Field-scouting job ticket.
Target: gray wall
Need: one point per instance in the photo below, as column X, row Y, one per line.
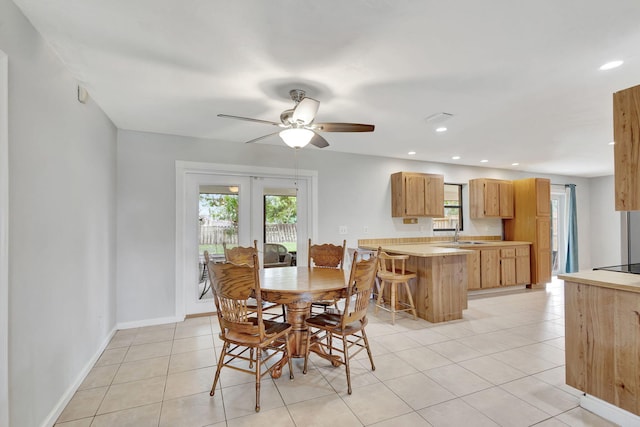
column 605, row 223
column 353, row 190
column 62, row 221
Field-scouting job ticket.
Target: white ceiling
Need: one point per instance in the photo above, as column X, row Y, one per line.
column 520, row 77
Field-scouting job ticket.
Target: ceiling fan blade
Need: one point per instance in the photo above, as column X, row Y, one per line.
column 262, row 137
column 318, row 141
column 248, row 119
column 305, row 111
column 343, row 127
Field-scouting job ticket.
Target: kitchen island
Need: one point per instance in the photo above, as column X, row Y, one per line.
column 440, row 291
column 602, row 338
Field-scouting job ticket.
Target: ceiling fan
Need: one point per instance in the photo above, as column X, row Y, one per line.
column 298, row 123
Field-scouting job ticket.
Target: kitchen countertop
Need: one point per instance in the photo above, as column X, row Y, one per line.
column 605, row 279
column 420, row 249
column 441, row 248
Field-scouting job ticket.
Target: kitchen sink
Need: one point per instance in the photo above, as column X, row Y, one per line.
column 469, row 242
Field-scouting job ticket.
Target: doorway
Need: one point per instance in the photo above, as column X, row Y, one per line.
column 236, row 195
column 558, row 231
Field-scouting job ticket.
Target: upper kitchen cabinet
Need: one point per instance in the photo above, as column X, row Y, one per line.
column 531, row 222
column 626, row 151
column 417, row 194
column 491, row 198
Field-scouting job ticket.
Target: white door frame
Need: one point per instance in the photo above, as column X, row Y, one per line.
column 4, row 240
column 561, row 195
column 186, row 222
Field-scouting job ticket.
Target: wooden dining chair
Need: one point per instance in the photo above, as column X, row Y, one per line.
column 245, row 255
column 347, row 327
column 392, row 271
column 247, row 336
column 326, row 255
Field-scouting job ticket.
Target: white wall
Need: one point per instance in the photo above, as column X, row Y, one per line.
column 605, row 223
column 62, row 221
column 353, row 190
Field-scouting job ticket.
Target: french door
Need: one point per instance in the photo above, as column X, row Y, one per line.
column 219, row 193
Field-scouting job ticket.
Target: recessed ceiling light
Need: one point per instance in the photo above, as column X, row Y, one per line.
column 456, row 157
column 515, row 164
column 611, row 65
column 612, row 143
column 441, row 129
column 484, row 161
column 411, row 153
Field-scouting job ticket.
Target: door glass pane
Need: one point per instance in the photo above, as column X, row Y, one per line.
column 218, row 226
column 280, row 227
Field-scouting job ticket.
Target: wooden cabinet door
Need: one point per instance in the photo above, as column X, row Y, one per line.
column 507, row 266
column 543, row 197
column 543, row 250
column 506, row 199
column 490, row 268
column 523, row 265
column 491, row 198
column 626, row 153
column 434, row 196
column 473, row 270
column 414, row 195
column 507, row 271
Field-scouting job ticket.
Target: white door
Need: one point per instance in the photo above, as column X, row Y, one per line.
column 196, row 297
column 250, row 186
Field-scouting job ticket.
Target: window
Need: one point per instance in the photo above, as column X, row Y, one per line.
column 452, row 209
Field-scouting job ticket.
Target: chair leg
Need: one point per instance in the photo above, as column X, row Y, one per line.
column 306, row 352
column 220, row 362
column 288, row 356
column 346, row 362
column 205, row 288
column 379, row 302
column 394, row 286
column 366, row 344
column 258, row 364
column 413, row 307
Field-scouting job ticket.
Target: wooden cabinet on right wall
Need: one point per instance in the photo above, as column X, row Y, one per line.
column 490, row 198
column 626, row 151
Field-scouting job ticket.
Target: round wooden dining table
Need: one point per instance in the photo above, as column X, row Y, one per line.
column 297, row 288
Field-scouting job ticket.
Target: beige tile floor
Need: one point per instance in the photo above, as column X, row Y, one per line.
column 502, row 365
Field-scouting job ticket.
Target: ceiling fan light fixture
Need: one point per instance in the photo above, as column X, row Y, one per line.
column 296, row 137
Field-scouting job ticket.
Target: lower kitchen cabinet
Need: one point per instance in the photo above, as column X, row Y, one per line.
column 523, row 265
column 505, row 266
column 490, row 268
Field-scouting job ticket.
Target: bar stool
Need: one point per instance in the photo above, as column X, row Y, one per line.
column 391, row 270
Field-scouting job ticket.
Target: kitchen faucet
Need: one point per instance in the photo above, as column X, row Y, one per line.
column 456, row 236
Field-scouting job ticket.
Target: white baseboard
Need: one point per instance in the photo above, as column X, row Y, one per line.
column 609, row 412
column 66, row 397
column 149, row 322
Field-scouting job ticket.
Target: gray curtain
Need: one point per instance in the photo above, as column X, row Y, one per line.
column 572, row 237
